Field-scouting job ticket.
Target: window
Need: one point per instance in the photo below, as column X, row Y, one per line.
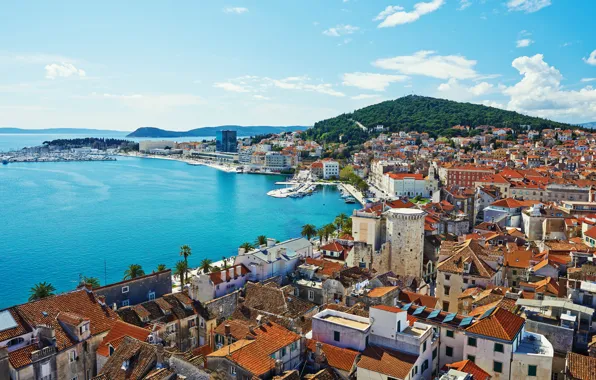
column 283, row 351
column 232, row 370
column 398, row 326
column 472, row 342
column 532, row 370
column 448, row 351
column 446, row 290
column 472, row 358
column 192, row 323
column 296, row 292
column 445, row 305
column 424, row 346
column 336, row 336
column 465, row 280
column 201, row 322
column 72, row 356
column 434, row 353
column 125, row 303
column 447, row 277
column 449, row 333
column 151, row 296
column 74, row 378
column 15, row 341
column 498, row 367
column 125, row 289
column 83, row 328
column 424, row 366
column 311, row 295
column 294, row 346
column 499, row 347
column 514, row 272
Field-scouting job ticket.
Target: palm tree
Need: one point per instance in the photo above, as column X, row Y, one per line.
column 225, row 263
column 321, row 234
column 133, row 271
column 90, row 281
column 205, row 266
column 308, row 231
column 261, row 239
column 181, row 270
column 329, row 230
column 161, row 267
column 247, row 246
column 347, row 227
column 41, row 290
column 185, row 252
column 340, row 220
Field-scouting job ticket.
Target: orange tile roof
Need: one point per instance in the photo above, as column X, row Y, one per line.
column 470, row 367
column 20, row 329
column 501, row 324
column 418, row 299
column 340, row 358
column 328, row 268
column 381, row 291
column 581, row 366
column 119, row 330
column 46, row 310
column 388, row 362
column 254, row 355
column 22, row 357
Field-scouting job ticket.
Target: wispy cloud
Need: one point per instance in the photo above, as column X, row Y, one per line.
column 365, row 96
column 463, row 4
column 227, row 86
column 430, row 64
column 235, row 10
column 591, row 60
column 584, row 80
column 528, row 6
column 524, row 42
column 371, row 81
column 396, row 15
column 340, row 30
column 260, row 85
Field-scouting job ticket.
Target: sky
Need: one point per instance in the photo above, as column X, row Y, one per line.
column 189, row 64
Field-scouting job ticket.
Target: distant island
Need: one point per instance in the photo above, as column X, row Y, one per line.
column 591, row 125
column 210, row 131
column 61, row 131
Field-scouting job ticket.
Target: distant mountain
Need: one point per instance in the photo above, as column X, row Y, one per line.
column 591, row 125
column 421, row 114
column 62, row 131
column 210, row 131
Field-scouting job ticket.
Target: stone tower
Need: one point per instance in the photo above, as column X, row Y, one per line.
column 405, row 233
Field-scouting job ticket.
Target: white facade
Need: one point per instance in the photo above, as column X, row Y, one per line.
column 404, row 185
column 276, row 160
column 330, row 169
column 341, row 329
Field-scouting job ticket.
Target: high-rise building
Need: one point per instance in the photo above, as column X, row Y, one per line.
column 225, row 141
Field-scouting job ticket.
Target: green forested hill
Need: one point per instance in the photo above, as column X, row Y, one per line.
column 422, row 114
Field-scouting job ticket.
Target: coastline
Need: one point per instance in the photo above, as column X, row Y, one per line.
column 224, row 168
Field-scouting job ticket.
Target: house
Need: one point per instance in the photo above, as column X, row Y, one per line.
column 341, row 329
column 341, row 361
column 580, row 367
column 267, row 351
column 137, row 290
column 208, row 286
column 468, row 367
column 56, row 336
column 112, row 341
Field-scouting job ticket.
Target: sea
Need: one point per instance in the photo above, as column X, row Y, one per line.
column 63, row 220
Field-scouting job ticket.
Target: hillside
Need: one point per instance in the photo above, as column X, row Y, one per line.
column 422, row 114
column 210, row 131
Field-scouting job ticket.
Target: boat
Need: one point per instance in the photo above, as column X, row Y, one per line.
column 350, row 200
column 5, row 162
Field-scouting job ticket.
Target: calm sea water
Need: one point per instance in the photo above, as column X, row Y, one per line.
column 59, row 220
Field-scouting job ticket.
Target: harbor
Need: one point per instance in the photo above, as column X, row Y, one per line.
column 19, row 156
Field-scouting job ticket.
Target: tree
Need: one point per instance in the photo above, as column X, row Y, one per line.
column 161, row 267
column 41, row 290
column 181, row 270
column 90, row 281
column 329, row 230
column 340, row 220
column 205, row 266
column 185, row 252
column 346, row 173
column 225, row 263
column 247, row 246
column 261, row 239
column 308, row 231
column 133, row 271
column 321, row 234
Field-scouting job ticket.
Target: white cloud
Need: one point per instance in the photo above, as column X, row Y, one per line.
column 492, row 103
column 429, row 64
column 371, row 81
column 340, row 30
column 395, row 15
column 365, row 96
column 591, row 60
column 63, row 69
column 463, row 4
column 453, row 89
column 540, row 92
column 236, row 10
column 588, row 80
column 227, row 86
column 391, row 9
column 524, row 42
column 527, row 6
column 261, row 97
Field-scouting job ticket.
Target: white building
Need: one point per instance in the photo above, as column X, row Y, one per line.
column 209, row 286
column 341, row 329
column 277, row 161
column 408, row 185
column 330, row 169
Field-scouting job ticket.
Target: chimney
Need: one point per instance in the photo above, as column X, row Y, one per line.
column 4, row 370
column 231, row 270
column 251, row 329
column 223, row 275
column 270, row 242
column 228, row 329
column 279, row 367
column 159, row 363
column 101, row 300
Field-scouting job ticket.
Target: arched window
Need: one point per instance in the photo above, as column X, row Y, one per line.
column 15, row 341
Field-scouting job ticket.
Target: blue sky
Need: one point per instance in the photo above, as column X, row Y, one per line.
column 182, row 65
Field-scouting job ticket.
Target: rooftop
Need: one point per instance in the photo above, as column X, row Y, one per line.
column 535, row 344
column 344, row 319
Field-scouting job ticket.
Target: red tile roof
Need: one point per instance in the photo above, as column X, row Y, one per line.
column 581, row 367
column 340, row 358
column 388, row 362
column 21, row 357
column 470, row 367
column 20, row 329
column 119, row 330
column 381, row 291
column 501, row 324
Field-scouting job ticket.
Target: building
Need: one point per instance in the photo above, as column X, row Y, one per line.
column 147, row 145
column 137, row 290
column 341, row 329
column 408, row 185
column 268, row 350
column 226, row 141
column 330, row 169
column 208, row 286
column 466, row 176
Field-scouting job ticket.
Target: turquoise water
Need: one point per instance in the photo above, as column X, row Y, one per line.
column 59, row 220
